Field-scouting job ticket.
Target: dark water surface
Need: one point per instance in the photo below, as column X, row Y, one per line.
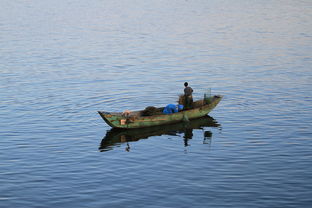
column 62, row 61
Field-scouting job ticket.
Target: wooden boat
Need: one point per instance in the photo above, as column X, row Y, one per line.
column 135, row 119
column 116, row 136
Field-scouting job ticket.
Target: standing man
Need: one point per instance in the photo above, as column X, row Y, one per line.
column 188, row 96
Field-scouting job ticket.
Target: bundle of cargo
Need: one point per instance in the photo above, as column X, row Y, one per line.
column 151, row 111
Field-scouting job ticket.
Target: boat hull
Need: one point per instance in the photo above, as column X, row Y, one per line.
column 133, row 122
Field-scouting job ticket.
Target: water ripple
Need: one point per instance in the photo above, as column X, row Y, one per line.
column 62, row 61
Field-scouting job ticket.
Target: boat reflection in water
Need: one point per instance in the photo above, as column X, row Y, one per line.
column 115, row 137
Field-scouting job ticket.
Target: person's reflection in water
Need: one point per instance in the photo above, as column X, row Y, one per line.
column 188, row 134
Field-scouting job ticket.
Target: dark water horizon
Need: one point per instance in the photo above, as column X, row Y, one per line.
column 62, row 61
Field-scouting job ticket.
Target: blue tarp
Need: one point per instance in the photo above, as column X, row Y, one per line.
column 172, row 108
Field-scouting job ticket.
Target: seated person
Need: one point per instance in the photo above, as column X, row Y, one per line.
column 172, row 108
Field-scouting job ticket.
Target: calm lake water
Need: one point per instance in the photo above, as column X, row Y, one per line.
column 62, row 61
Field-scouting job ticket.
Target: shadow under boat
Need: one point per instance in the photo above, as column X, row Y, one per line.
column 115, row 137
